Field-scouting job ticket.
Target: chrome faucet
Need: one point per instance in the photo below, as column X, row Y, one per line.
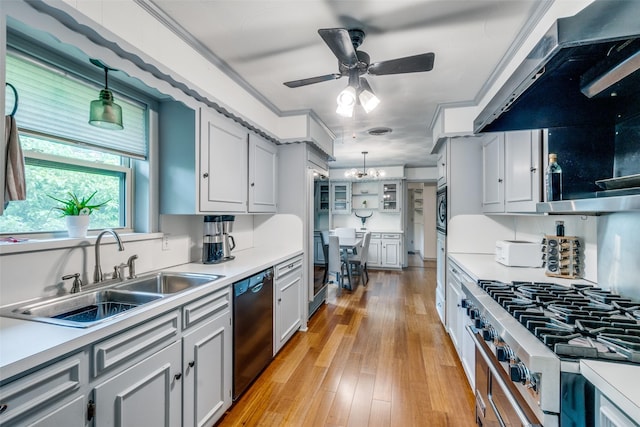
column 97, row 272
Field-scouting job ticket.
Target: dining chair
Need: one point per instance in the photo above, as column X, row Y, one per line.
column 359, row 260
column 349, row 232
column 335, row 264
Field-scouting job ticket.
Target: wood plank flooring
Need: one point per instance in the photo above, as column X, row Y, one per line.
column 377, row 356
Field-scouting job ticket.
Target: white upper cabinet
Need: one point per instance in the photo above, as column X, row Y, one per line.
column 493, row 173
column 523, row 174
column 390, row 196
column 223, row 164
column 340, row 197
column 263, row 185
column 511, row 172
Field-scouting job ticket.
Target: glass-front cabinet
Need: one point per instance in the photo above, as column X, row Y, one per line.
column 322, row 194
column 391, row 196
column 340, row 197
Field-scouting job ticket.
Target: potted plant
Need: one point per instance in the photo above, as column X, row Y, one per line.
column 76, row 212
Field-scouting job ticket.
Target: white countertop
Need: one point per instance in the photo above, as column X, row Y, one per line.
column 485, row 267
column 26, row 344
column 617, row 381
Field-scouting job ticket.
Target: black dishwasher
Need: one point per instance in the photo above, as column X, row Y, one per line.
column 252, row 328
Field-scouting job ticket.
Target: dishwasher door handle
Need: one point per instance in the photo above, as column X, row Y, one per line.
column 257, row 288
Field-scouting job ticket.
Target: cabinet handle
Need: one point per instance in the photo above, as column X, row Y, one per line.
column 253, row 184
column 3, row 407
column 499, row 179
column 533, row 169
column 177, row 376
column 279, row 300
column 91, row 410
column 192, row 363
column 205, row 175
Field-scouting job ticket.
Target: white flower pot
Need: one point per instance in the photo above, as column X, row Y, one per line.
column 77, row 225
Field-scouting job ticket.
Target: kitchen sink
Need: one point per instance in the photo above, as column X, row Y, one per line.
column 167, row 283
column 83, row 309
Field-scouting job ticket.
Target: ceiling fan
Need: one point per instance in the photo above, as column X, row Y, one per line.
column 353, row 62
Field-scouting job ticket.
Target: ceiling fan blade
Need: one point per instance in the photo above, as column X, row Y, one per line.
column 339, row 42
column 408, row 64
column 312, row 80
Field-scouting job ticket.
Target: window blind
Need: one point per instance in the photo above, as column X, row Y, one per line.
column 53, row 103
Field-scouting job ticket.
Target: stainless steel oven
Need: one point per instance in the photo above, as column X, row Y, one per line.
column 441, row 210
column 498, row 403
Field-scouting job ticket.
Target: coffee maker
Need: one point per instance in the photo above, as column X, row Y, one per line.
column 212, row 240
column 228, row 244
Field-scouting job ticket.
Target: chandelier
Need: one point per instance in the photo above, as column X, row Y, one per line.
column 364, row 173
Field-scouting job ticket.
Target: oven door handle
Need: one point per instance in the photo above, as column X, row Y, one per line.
column 495, row 376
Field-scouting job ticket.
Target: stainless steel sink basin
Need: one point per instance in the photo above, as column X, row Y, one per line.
column 82, row 310
column 167, row 283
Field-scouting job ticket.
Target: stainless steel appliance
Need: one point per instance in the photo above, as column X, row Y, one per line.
column 529, row 339
column 212, row 240
column 252, row 328
column 441, row 210
column 228, row 243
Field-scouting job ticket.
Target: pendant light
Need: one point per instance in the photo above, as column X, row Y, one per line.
column 357, row 92
column 104, row 112
column 364, row 173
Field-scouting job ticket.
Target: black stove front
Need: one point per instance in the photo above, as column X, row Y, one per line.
column 579, row 321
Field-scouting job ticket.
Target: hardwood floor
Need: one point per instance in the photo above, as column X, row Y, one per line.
column 377, row 356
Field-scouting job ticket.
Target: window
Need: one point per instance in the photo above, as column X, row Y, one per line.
column 64, row 154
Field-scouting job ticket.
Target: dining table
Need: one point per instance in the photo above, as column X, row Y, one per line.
column 349, row 244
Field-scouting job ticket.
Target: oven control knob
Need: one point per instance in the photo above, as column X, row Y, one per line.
column 479, row 323
column 473, row 313
column 518, row 373
column 502, row 354
column 464, row 303
column 488, row 333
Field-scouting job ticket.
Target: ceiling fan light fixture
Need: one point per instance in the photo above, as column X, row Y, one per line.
column 367, row 98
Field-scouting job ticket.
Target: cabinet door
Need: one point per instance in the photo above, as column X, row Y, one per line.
column 441, row 257
column 391, row 200
column 288, row 310
column 223, row 164
column 493, row 174
column 454, row 315
column 468, row 350
column 70, row 414
column 322, row 193
column 263, row 160
column 341, row 197
column 522, row 171
column 373, row 257
column 442, row 166
column 391, row 251
column 207, row 367
column 147, row 394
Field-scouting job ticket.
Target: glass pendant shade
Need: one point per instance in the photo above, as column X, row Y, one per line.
column 104, row 112
column 367, row 98
column 346, row 102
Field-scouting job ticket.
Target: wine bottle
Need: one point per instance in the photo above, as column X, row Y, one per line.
column 553, row 179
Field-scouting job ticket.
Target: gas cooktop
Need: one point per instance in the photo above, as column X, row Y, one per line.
column 580, row 321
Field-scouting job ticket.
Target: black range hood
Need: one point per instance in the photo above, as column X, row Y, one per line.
column 583, row 71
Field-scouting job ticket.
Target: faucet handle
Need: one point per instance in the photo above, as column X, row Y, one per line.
column 118, row 271
column 77, row 283
column 131, row 263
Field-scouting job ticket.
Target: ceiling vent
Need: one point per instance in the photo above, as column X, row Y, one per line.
column 379, row 131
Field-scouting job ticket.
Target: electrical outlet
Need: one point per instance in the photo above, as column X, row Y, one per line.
column 165, row 242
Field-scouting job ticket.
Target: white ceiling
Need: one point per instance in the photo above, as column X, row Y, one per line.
column 264, row 43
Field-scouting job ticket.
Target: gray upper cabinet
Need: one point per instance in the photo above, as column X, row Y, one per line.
column 210, row 164
column 263, row 185
column 512, row 173
column 223, row 164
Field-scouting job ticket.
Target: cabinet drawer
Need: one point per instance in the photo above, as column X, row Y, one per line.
column 288, row 267
column 391, row 236
column 204, row 308
column 136, row 342
column 43, row 388
column 376, row 235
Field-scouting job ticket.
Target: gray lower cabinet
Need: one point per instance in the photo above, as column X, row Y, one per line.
column 288, row 301
column 148, row 393
column 207, row 367
column 385, row 250
column 51, row 396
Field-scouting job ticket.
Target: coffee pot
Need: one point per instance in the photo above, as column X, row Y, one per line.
column 228, row 243
column 213, row 240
